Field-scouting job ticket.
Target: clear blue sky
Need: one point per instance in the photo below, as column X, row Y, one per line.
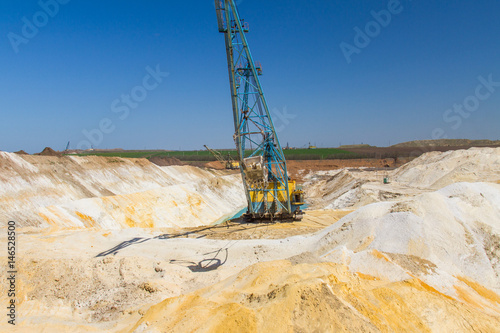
column 64, row 78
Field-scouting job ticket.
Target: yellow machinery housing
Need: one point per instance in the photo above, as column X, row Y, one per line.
column 296, row 196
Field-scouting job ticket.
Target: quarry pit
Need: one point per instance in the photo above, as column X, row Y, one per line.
column 124, row 245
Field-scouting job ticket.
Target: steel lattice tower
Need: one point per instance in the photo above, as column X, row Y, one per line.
column 262, row 162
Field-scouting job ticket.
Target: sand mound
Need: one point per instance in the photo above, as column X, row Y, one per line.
column 347, row 189
column 435, row 170
column 339, row 191
column 49, row 152
column 21, row 152
column 456, row 228
column 112, row 193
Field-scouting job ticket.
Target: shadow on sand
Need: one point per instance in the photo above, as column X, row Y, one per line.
column 210, row 262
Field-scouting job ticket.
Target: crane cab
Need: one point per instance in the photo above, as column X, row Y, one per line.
column 274, row 196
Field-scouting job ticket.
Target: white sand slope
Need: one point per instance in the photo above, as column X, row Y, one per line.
column 435, row 170
column 112, row 193
column 344, row 189
column 456, row 228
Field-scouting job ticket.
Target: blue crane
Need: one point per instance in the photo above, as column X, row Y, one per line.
column 270, row 192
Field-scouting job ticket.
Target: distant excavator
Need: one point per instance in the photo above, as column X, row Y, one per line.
column 228, row 162
column 271, row 194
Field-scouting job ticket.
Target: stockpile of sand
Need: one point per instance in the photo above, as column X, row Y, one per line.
column 47, row 151
column 435, row 170
column 340, row 190
column 347, row 189
column 112, row 193
column 456, row 228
